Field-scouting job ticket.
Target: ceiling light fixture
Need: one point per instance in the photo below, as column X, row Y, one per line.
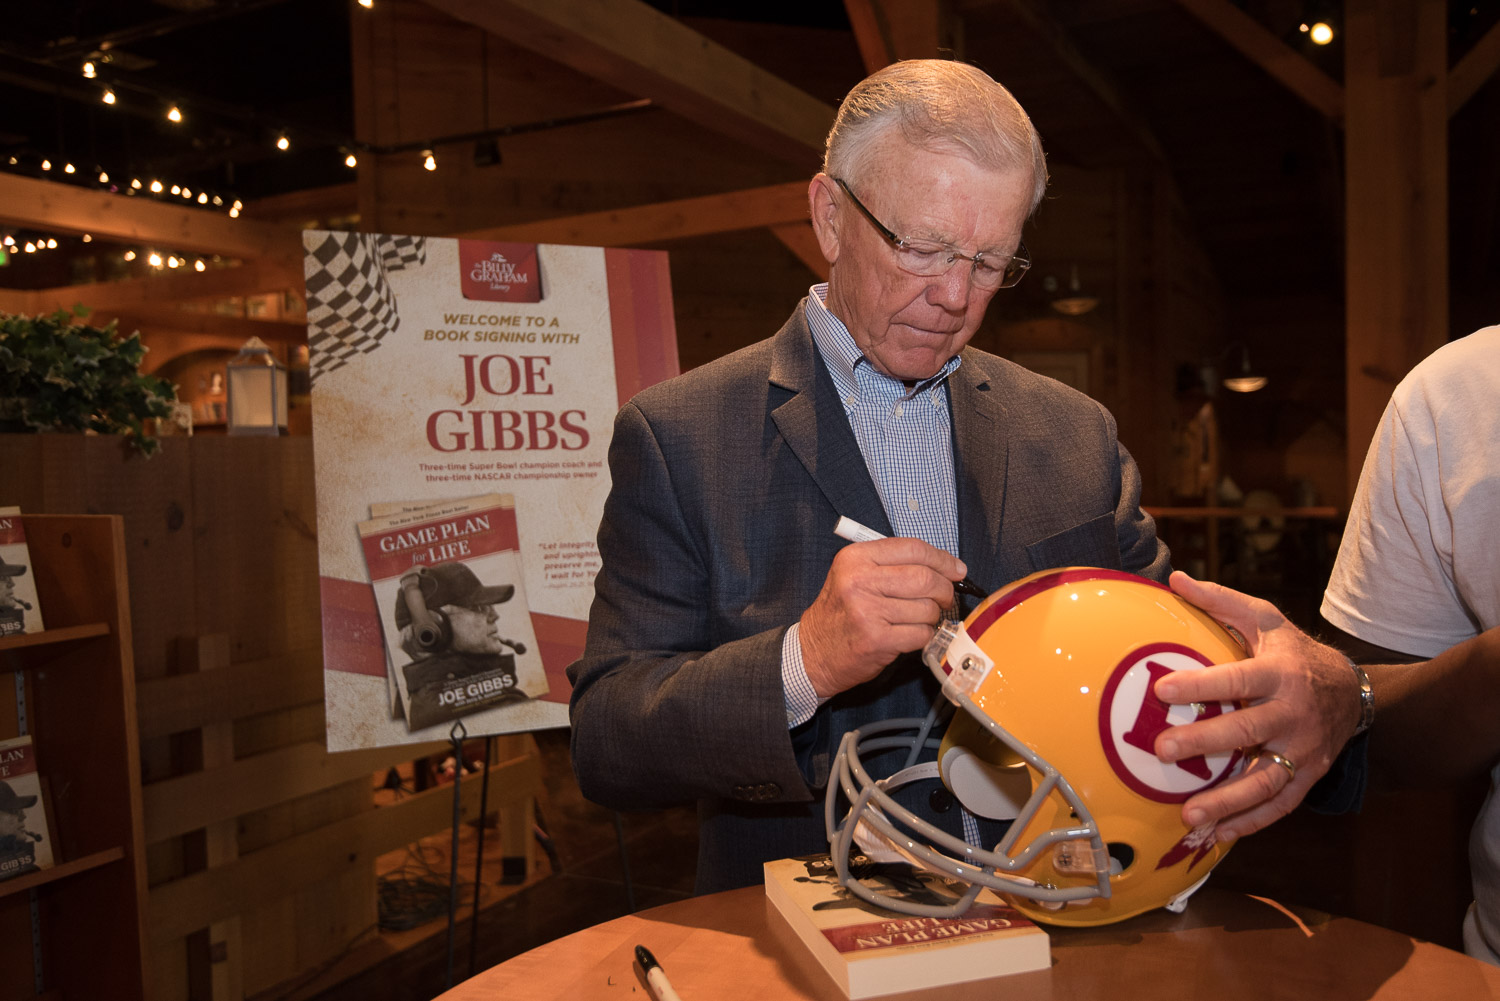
column 1240, row 376
column 1073, row 301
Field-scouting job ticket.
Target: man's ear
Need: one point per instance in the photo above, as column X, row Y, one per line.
column 823, row 201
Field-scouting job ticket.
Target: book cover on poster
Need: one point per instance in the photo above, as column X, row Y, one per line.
column 447, row 579
column 869, row 951
column 445, row 369
column 25, row 843
column 20, row 610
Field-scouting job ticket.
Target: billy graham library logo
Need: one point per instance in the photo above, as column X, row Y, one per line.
column 499, row 272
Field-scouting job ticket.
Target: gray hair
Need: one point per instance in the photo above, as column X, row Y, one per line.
column 938, row 105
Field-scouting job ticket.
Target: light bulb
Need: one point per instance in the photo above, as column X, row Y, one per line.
column 135, row 182
column 1321, row 33
column 176, row 188
column 30, row 247
column 68, row 168
column 154, row 260
column 174, row 115
column 186, row 193
column 428, row 160
column 51, row 243
column 203, row 198
column 198, row 265
column 172, row 261
column 103, row 177
column 218, row 200
column 89, row 70
column 87, row 238
column 367, row 4
column 351, row 160
column 283, row 143
column 108, row 97
column 46, row 164
column 129, row 255
column 156, row 187
column 234, row 213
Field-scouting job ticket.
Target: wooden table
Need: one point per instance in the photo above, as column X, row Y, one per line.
column 731, row 946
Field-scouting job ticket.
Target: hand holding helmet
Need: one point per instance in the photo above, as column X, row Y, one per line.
column 1301, row 700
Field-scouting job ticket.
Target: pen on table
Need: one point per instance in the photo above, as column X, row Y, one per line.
column 848, row 528
column 655, row 975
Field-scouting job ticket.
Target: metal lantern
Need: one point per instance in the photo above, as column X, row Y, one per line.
column 257, row 391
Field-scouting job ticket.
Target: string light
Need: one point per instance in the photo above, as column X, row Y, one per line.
column 155, row 187
column 367, row 4
column 351, row 160
column 129, row 255
column 174, row 115
column 202, row 198
column 87, row 238
column 429, row 161
column 30, row 247
column 68, row 168
column 154, row 260
column 283, row 143
column 108, row 97
column 187, row 194
column 46, row 164
column 103, row 176
column 234, row 213
column 89, row 70
column 51, row 243
column 175, row 189
column 1320, row 32
column 173, row 262
column 198, row 265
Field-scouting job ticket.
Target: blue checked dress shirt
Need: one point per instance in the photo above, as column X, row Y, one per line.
column 906, row 438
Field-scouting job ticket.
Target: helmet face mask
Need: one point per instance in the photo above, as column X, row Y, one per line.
column 1055, row 674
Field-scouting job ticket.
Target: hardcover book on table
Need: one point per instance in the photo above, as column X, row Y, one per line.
column 20, row 611
column 869, row 951
column 442, row 369
column 25, row 843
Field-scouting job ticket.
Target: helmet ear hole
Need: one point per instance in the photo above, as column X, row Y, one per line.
column 1120, row 857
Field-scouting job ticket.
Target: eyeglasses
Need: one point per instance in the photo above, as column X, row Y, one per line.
column 928, row 259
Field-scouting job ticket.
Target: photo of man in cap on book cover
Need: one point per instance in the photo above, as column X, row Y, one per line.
column 17, row 844
column 460, row 662
column 12, row 609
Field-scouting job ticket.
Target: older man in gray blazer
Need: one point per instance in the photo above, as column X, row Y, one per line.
column 734, row 638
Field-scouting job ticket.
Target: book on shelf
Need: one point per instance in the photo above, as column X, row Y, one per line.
column 25, row 842
column 20, row 611
column 869, row 951
column 448, row 584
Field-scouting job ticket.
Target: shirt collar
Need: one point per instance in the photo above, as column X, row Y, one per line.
column 843, row 357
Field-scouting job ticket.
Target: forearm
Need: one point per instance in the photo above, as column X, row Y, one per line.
column 1437, row 719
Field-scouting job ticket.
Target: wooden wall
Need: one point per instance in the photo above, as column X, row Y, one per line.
column 260, row 845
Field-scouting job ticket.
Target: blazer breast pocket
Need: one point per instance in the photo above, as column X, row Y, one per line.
column 1091, row 544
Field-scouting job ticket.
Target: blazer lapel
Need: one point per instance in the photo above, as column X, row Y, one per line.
column 806, row 410
column 981, row 454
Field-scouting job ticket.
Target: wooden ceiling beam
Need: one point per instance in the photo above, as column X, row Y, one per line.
column 674, row 220
column 640, row 50
column 1470, row 73
column 63, row 208
column 799, row 238
column 875, row 49
column 1285, row 64
column 160, row 319
column 1046, row 26
column 253, row 278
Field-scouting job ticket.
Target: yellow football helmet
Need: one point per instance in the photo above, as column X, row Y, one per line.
column 1053, row 679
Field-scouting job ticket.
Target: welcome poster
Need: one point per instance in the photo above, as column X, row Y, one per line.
column 445, row 370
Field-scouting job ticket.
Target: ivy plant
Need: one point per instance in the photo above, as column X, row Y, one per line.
column 60, row 374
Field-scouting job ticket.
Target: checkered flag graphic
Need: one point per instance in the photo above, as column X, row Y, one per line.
column 350, row 306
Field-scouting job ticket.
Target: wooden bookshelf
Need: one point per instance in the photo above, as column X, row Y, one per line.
column 76, row 930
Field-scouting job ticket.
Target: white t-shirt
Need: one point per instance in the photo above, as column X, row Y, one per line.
column 1418, row 569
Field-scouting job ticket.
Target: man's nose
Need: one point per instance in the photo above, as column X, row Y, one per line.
column 951, row 288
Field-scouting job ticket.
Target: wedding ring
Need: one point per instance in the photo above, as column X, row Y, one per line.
column 1283, row 761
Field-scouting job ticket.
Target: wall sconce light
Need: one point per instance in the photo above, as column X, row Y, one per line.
column 1239, row 375
column 257, row 391
column 1072, row 301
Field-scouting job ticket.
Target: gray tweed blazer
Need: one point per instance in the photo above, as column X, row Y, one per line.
column 717, row 535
